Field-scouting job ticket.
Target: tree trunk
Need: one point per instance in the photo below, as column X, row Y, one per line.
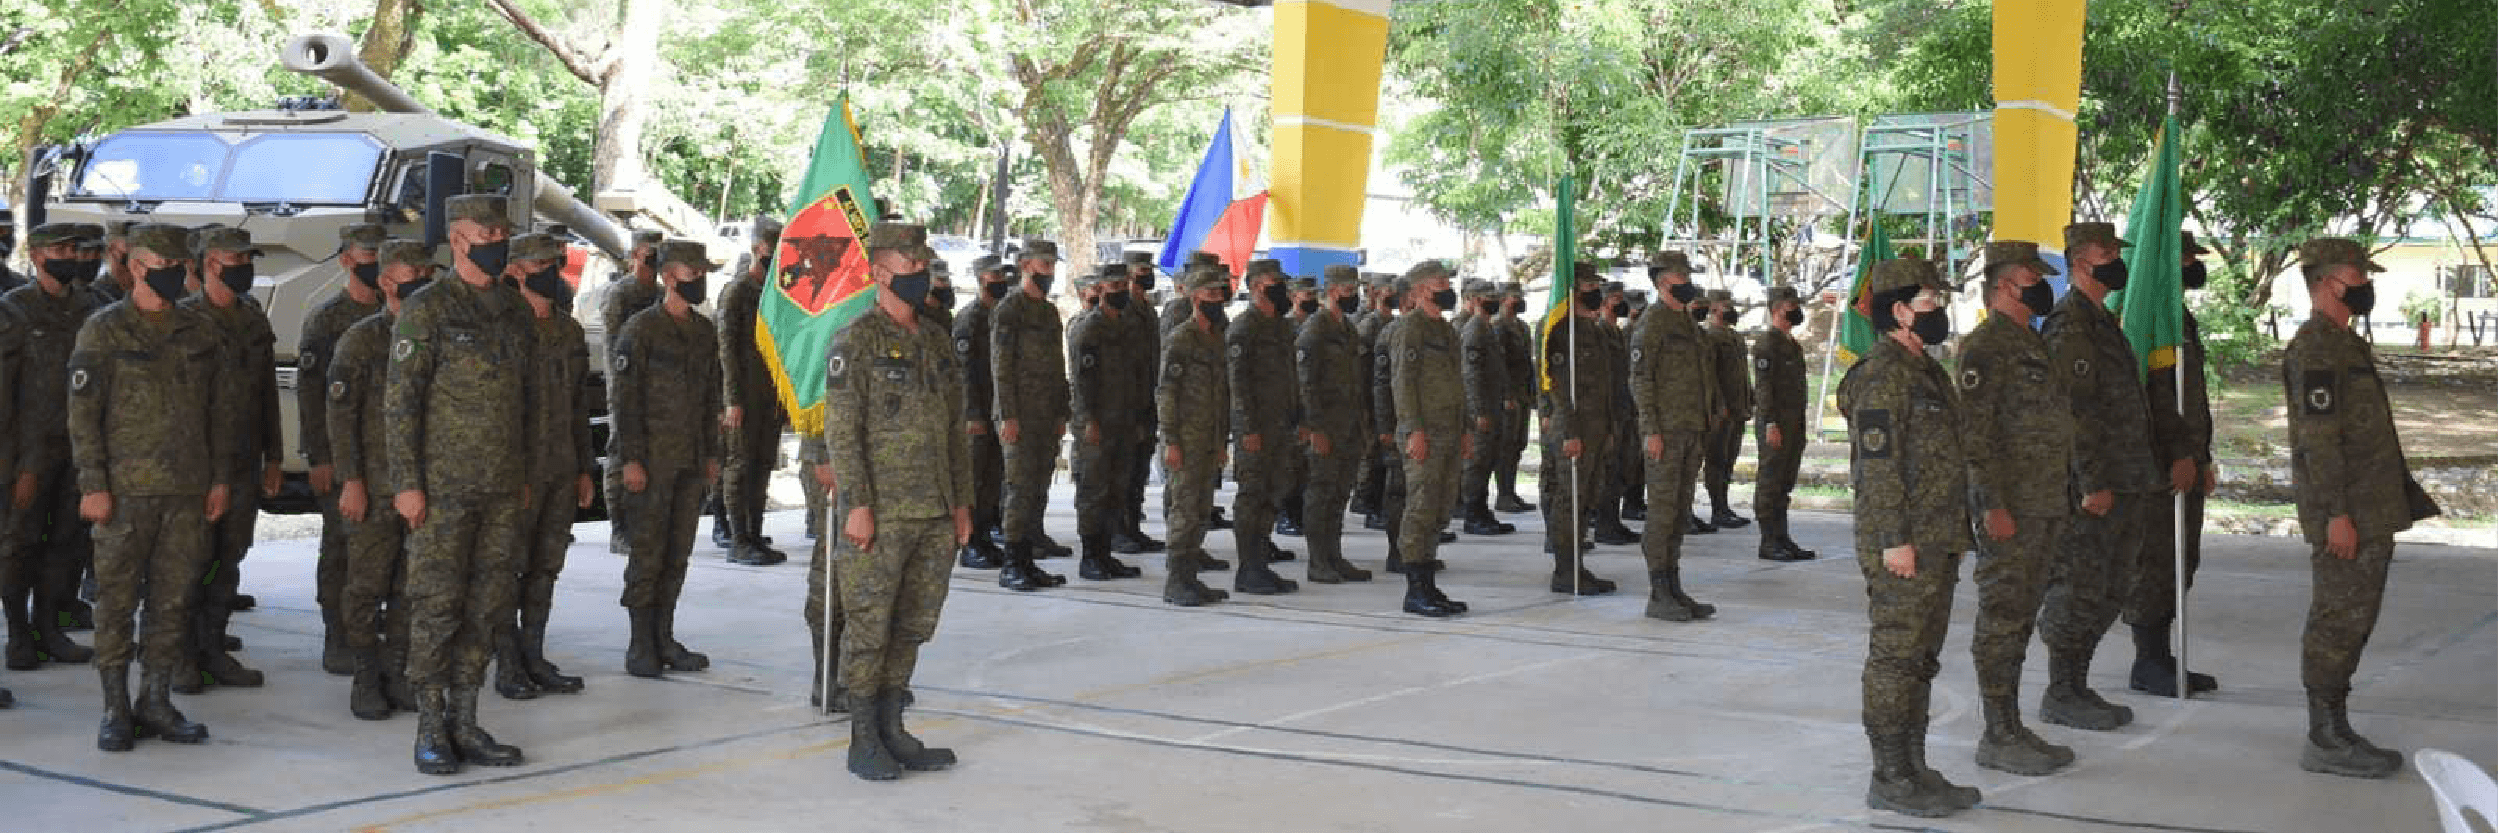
column 387, row 43
column 616, row 159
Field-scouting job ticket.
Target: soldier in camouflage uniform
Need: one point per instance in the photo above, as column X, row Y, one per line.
column 1266, row 422
column 252, row 472
column 1519, row 362
column 940, row 303
column 1131, row 538
column 2183, row 433
column 456, row 404
column 1192, row 402
column 1177, row 311
column 2020, row 432
column 1601, row 505
column 1430, row 401
column 149, row 440
column 1486, row 372
column 1106, row 397
column 1579, row 408
column 1630, row 471
column 1909, row 478
column 356, row 418
column 1369, row 479
column 2113, row 470
column 1779, row 413
column 560, row 464
column 1029, row 378
column 904, row 468
column 1674, row 402
column 360, row 297
column 1289, row 496
column 752, row 424
column 1727, row 352
column 1337, row 416
column 669, row 445
column 47, row 545
column 2354, row 494
column 972, row 351
column 625, row 298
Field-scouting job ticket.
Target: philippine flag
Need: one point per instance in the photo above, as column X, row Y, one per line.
column 1222, row 210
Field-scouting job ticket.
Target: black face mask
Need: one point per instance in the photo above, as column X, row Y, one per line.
column 1349, row 304
column 1728, row 318
column 369, row 274
column 1144, row 283
column 490, row 257
column 238, row 278
column 1041, row 282
column 2192, row 276
column 1307, row 307
column 1116, row 300
column 1391, row 305
column 1701, row 314
column 548, row 283
column 1929, row 326
column 409, row 289
column 2112, row 274
column 167, row 283
column 1445, row 298
column 2039, row 299
column 997, row 289
column 2360, row 299
column 1794, row 317
column 88, row 269
column 1489, row 307
column 1276, row 296
column 1589, row 298
column 63, row 270
column 651, row 261
column 942, row 297
column 912, row 288
column 692, row 291
column 8, row 246
column 1684, row 293
column 1622, row 309
column 1214, row 312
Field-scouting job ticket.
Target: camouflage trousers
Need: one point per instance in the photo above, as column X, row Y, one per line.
column 1670, row 498
column 665, row 515
column 752, row 451
column 2012, row 575
column 1631, row 465
column 1391, row 461
column 148, row 558
column 1323, row 501
column 373, row 602
column 814, row 496
column 1513, row 445
column 46, row 546
column 1371, row 475
column 330, row 568
column 229, row 539
column 890, row 594
column 1567, row 513
column 1102, row 471
column 1431, row 485
column 989, row 481
column 1258, row 483
column 1907, row 619
column 2344, row 599
column 1189, row 502
column 543, row 536
column 2088, row 578
column 1719, row 451
column 824, row 622
column 1135, row 501
column 612, row 489
column 1476, row 474
column 1029, row 462
column 2151, row 599
column 461, row 578
column 1775, row 471
column 1295, row 480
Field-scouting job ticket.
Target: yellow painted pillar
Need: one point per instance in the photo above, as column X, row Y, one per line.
column 2039, row 83
column 1327, row 95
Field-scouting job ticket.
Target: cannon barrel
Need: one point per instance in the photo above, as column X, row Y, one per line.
column 332, row 57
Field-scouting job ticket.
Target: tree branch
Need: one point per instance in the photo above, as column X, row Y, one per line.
column 592, row 73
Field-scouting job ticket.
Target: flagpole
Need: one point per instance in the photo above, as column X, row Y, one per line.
column 2178, row 503
column 1840, row 311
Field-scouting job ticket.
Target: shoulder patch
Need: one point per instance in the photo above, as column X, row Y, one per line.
column 834, row 365
column 338, row 391
column 2083, row 367
column 1090, row 359
column 1970, row 378
column 405, row 348
column 963, row 346
column 1761, row 362
column 2317, row 392
column 624, row 362
column 1874, row 434
column 1636, row 355
column 78, row 380
column 310, row 361
column 1233, row 351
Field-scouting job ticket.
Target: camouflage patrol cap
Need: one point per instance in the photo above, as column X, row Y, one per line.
column 118, row 230
column 363, row 235
column 404, row 253
column 52, row 234
column 1614, row 287
column 225, row 239
column 688, row 252
column 1341, row 275
column 909, row 238
column 1720, row 296
column 89, row 235
column 1425, row 270
column 484, row 209
column 537, row 246
column 1203, row 257
column 2016, row 251
column 163, row 239
column 1584, row 272
column 1636, row 297
column 1906, row 271
column 1138, row 259
column 648, row 237
column 1038, row 250
column 1209, row 277
column 1670, row 261
column 1382, row 282
column 2189, row 246
column 1303, row 284
column 2337, row 251
column 940, row 270
column 2105, row 234
column 1476, row 288
column 1113, row 271
column 1512, row 289
column 986, row 264
column 768, row 229
column 1264, row 266
column 1782, row 294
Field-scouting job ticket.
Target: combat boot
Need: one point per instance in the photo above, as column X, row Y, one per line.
column 1216, row 519
column 1276, row 553
column 510, row 680
column 1145, row 543
column 1046, row 547
column 642, row 651
column 395, row 686
column 2335, row 749
column 156, row 716
column 1634, row 509
column 817, row 675
column 1720, row 515
column 1257, row 579
column 1897, row 786
column 1376, row 522
column 980, row 554
column 1960, row 797
column 335, row 657
column 1330, row 567
column 1663, row 605
column 116, row 733
column 1096, row 564
column 1571, row 577
column 1479, row 520
column 744, row 553
column 21, row 651
column 1020, row 573
column 1699, row 526
column 52, row 640
column 365, row 699
column 1611, row 531
column 470, row 740
column 1286, row 525
column 907, row 750
column 1675, row 587
column 1181, row 586
column 2009, row 746
column 185, row 677
column 434, row 753
column 2067, row 702
column 533, row 644
column 2156, row 669
column 673, row 653
column 721, row 536
column 870, row 759
column 757, row 538
column 1423, row 595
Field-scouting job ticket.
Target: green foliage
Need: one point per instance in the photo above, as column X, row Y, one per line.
column 2234, row 332
column 2419, row 306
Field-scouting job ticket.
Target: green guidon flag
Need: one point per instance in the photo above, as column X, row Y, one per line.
column 1857, row 325
column 2152, row 309
column 820, row 274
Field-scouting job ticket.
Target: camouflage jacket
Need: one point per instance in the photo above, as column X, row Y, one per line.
column 1028, row 369
column 1779, row 370
column 1581, row 403
column 359, row 377
column 625, row 298
column 146, row 406
column 1906, row 464
column 251, row 396
column 1113, row 384
column 2020, row 430
column 1176, row 312
column 1384, row 371
column 560, row 425
column 2182, row 433
column 1671, row 374
column 891, row 432
column 1335, row 395
column 2346, row 459
column 2113, row 431
column 972, row 351
column 1367, row 336
column 458, row 396
column 745, row 381
column 1518, row 360
column 312, row 380
column 1619, row 368
column 1484, row 369
column 1424, row 378
column 1258, row 356
column 47, row 329
column 664, row 391
column 9, row 347
column 1194, row 396
column 1727, row 362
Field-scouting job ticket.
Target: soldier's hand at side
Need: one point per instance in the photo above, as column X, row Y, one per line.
column 270, row 479
column 711, row 469
column 2341, row 538
column 585, row 490
column 1172, row 457
column 1654, row 447
column 1902, row 560
column 525, row 497
column 1508, row 405
column 23, row 495
column 215, row 506
column 320, row 476
column 1466, row 446
column 2097, row 504
column 824, row 475
column 861, row 528
column 2182, row 475
column 1771, row 436
column 1319, row 443
column 1484, row 423
column 1571, row 449
column 635, row 478
column 2000, row 524
column 2209, row 478
column 352, row 501
column 411, row 506
column 1093, row 433
column 1418, row 446
column 1008, row 432
column 1251, row 443
column 1387, row 440
column 96, row 507
column 733, row 417
column 976, row 427
column 963, row 525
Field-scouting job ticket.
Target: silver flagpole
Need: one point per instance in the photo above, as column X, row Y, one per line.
column 2178, row 503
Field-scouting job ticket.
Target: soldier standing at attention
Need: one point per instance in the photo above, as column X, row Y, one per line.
column 360, row 297
column 1266, row 422
column 2354, row 496
column 940, row 303
column 150, row 440
column 251, row 402
column 1630, row 472
column 1289, row 495
column 2113, row 470
column 1727, row 352
column 752, row 422
column 1430, row 399
column 905, row 471
column 1602, row 504
column 2183, row 433
column 1486, row 373
column 1367, row 501
column 1579, row 425
column 1029, row 377
column 670, row 447
column 1106, row 397
column 458, row 400
column 42, row 556
column 624, row 298
column 972, row 351
column 1192, row 401
column 1519, row 361
column 1336, row 405
column 1130, row 538
column 358, row 422
column 2020, row 433
column 1779, row 412
column 1171, row 320
column 1675, row 402
column 560, row 461
column 1909, row 475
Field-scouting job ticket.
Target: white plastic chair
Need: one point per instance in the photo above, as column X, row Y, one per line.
column 2459, row 786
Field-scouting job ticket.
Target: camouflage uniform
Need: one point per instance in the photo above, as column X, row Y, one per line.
column 1192, row 403
column 1149, row 325
column 251, row 398
column 1675, row 401
column 1579, row 405
column 2183, row 429
column 562, row 455
column 1258, row 355
column 659, row 358
column 1029, row 379
column 1431, row 401
column 375, row 573
column 1110, row 390
column 1388, row 454
column 1336, row 405
column 313, row 349
column 1727, row 353
column 47, row 547
column 1519, row 362
column 753, row 449
column 1485, row 370
column 1373, row 474
column 972, row 352
column 1779, row 367
column 629, row 295
column 1604, row 513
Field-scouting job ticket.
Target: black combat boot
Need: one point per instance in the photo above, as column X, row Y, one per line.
column 2335, row 749
column 1289, row 516
column 1663, row 605
column 1506, row 482
column 1423, row 595
column 756, row 536
column 1959, row 796
column 22, row 655
column 1479, row 520
column 1216, row 519
column 1145, row 543
column 642, row 651
column 1571, row 577
column 215, row 664
column 116, row 733
column 1720, row 515
column 907, row 750
column 722, row 537
column 2068, row 702
column 434, row 753
column 819, row 674
column 1608, row 529
column 2009, row 746
column 336, row 659
column 1897, row 785
column 1181, row 586
column 1020, row 573
column 533, row 643
column 1046, row 547
column 1255, row 577
column 472, row 742
column 1096, row 564
column 672, row 652
column 870, row 759
column 1376, row 521
column 1675, row 587
column 981, row 553
column 2156, row 669
column 1699, row 526
column 511, row 680
column 365, row 699
column 156, row 716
